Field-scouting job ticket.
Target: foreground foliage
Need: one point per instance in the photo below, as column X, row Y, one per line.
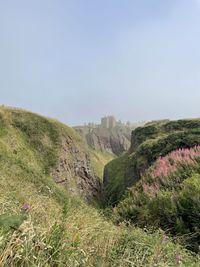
column 81, row 237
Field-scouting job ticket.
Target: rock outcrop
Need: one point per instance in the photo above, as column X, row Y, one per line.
column 114, row 141
column 74, row 171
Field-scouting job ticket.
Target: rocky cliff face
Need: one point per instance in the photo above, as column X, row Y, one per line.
column 114, row 141
column 74, row 172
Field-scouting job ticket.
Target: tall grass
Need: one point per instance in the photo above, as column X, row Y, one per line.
column 81, row 237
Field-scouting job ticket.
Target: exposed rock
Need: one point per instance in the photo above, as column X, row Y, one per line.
column 114, row 141
column 73, row 171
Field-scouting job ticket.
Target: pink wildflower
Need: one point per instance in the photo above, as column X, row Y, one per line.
column 179, row 259
column 25, row 207
column 164, row 166
column 165, row 238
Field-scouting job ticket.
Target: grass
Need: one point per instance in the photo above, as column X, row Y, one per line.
column 99, row 160
column 114, row 187
column 81, row 237
column 60, row 229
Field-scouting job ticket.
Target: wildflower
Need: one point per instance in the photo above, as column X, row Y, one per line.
column 25, row 207
column 179, row 259
column 165, row 238
column 168, row 164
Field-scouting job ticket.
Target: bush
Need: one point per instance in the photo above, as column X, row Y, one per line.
column 173, row 208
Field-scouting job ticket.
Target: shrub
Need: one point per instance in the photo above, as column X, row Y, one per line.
column 168, row 197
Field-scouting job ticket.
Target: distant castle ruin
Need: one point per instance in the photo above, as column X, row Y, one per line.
column 108, row 122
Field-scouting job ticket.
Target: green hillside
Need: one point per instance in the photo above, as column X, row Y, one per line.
column 98, row 161
column 161, row 171
column 43, row 222
column 147, row 144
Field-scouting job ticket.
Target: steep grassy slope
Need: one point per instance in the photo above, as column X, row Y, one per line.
column 147, row 144
column 162, row 172
column 43, row 224
column 99, row 160
column 168, row 197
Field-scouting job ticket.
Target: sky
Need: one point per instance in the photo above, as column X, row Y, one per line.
column 78, row 60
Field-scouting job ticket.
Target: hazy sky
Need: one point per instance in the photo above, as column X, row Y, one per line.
column 77, row 60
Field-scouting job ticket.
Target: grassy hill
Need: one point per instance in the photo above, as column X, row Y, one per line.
column 46, row 222
column 147, row 144
column 98, row 161
column 161, row 171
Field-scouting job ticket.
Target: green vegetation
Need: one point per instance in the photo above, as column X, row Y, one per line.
column 147, row 144
column 172, row 205
column 41, row 224
column 155, row 201
column 80, row 237
column 99, row 160
column 114, row 188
